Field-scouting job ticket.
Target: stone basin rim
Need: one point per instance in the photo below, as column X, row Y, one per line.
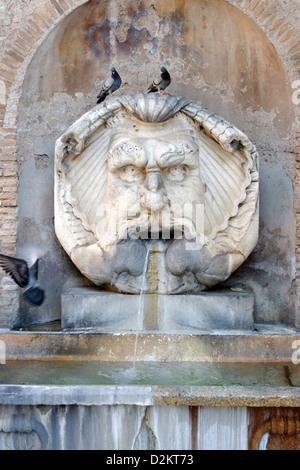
column 150, row 395
column 267, row 344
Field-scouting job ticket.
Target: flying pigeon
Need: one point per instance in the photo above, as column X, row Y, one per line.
column 160, row 83
column 24, row 276
column 110, row 85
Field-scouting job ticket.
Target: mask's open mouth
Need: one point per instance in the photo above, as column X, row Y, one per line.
column 160, row 227
column 160, row 234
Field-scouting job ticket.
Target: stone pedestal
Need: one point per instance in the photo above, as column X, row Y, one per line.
column 213, row 310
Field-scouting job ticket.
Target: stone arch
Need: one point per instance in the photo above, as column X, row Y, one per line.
column 17, row 56
column 30, row 34
column 282, row 34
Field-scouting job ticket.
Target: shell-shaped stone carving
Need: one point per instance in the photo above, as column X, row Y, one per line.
column 227, row 165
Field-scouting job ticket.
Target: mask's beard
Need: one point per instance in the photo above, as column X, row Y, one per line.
column 127, row 217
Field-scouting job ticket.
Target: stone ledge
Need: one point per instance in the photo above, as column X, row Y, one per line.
column 264, row 344
column 216, row 309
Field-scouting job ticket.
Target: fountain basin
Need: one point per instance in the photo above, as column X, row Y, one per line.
column 231, row 368
column 51, row 382
column 64, row 389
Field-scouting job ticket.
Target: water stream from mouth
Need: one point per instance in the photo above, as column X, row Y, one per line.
column 141, row 307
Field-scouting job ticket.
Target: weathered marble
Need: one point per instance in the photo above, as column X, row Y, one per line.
column 142, row 167
column 121, row 427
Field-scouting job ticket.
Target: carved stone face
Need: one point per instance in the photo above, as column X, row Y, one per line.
column 137, row 169
column 153, row 173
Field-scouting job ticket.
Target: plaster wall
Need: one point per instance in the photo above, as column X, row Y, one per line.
column 217, row 55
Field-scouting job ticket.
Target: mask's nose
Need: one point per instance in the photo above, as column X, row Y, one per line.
column 154, row 195
column 154, row 181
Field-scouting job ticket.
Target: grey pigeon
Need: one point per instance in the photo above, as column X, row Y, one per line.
column 160, row 83
column 111, row 84
column 25, row 276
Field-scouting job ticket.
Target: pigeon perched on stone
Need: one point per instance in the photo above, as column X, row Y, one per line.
column 25, row 276
column 160, row 83
column 110, row 85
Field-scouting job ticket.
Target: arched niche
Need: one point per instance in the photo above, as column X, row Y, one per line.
column 218, row 56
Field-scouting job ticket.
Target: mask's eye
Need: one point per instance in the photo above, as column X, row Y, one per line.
column 130, row 173
column 176, row 173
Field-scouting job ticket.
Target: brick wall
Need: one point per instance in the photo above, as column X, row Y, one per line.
column 23, row 25
column 297, row 200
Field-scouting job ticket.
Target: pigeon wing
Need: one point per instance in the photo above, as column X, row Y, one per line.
column 116, row 84
column 35, row 295
column 106, row 86
column 33, row 270
column 17, row 268
column 166, row 79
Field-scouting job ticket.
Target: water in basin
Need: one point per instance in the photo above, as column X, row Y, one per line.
column 48, row 372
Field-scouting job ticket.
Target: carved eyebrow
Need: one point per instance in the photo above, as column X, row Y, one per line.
column 126, row 153
column 179, row 153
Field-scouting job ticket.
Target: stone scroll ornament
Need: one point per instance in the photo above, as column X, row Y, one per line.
column 143, row 167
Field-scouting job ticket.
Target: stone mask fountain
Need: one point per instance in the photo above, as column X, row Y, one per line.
column 155, row 194
column 156, row 203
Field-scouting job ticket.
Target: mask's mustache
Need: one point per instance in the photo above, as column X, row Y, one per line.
column 163, row 224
